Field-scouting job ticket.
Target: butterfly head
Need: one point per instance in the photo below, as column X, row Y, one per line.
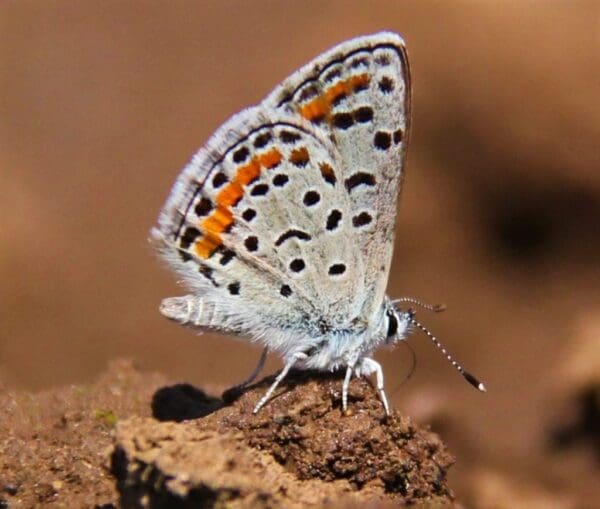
column 396, row 322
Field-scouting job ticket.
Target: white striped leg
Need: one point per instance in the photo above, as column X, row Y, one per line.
column 370, row 366
column 345, row 387
column 299, row 356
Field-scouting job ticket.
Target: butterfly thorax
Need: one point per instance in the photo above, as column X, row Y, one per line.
column 329, row 348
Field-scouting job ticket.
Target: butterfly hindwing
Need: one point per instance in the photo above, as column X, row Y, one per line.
column 358, row 95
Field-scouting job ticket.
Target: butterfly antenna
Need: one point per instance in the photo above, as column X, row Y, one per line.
column 467, row 376
column 436, row 308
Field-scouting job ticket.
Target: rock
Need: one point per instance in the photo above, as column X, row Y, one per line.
column 299, row 451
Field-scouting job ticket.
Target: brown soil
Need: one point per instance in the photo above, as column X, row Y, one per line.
column 56, row 448
column 175, row 443
column 54, row 445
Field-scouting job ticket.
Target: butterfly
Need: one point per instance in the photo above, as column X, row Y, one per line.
column 282, row 225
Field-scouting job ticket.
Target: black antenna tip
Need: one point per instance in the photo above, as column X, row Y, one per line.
column 474, row 382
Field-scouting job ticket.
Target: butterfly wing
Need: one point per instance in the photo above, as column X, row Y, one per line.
column 283, row 223
column 358, row 95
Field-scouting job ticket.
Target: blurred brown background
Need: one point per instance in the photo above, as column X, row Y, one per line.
column 101, row 104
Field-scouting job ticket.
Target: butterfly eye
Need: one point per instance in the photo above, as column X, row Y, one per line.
column 392, row 327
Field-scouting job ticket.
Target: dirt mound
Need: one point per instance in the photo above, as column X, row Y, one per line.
column 57, row 447
column 299, row 451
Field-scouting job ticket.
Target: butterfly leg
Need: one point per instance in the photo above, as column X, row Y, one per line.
column 298, row 356
column 345, row 386
column 370, row 366
column 257, row 369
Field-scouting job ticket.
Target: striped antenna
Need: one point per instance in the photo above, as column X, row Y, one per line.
column 436, row 308
column 467, row 376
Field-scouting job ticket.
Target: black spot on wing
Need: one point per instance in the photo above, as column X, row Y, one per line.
column 226, row 257
column 383, row 60
column 360, row 178
column 292, row 234
column 249, row 214
column 280, row 180
column 331, row 75
column 339, row 98
column 251, row 243
column 359, row 62
column 297, row 265
column 289, row 137
column 382, row 140
column 363, row 114
column 336, row 269
column 392, row 327
column 386, row 84
column 188, row 237
column 342, row 120
column 361, row 86
column 362, row 219
column 311, row 198
column 219, row 179
column 240, row 155
column 234, row 288
column 203, row 207
column 261, row 140
column 259, row 190
column 333, row 220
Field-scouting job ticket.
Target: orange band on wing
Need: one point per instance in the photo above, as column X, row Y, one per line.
column 207, row 245
column 247, row 173
column 340, row 89
column 221, row 217
column 317, row 109
column 270, row 159
column 320, row 107
column 218, row 221
column 229, row 196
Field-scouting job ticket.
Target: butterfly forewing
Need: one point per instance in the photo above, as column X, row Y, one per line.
column 259, row 221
